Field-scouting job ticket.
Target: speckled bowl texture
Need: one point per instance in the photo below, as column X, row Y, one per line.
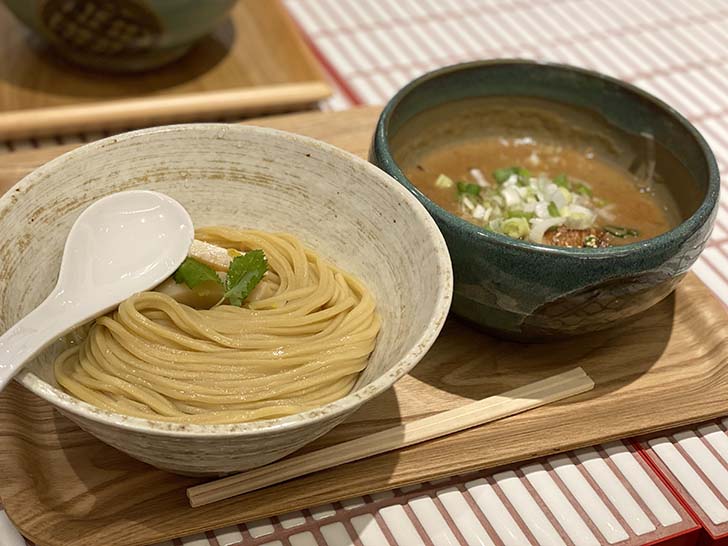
column 535, row 292
column 345, row 208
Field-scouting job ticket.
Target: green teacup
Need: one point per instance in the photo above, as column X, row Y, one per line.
column 529, row 291
column 120, row 35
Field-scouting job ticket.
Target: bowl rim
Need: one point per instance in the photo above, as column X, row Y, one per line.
column 682, row 231
column 340, row 407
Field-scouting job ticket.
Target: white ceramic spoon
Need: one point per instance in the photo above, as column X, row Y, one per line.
column 122, row 244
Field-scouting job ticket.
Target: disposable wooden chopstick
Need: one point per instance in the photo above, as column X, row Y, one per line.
column 483, row 411
column 148, row 110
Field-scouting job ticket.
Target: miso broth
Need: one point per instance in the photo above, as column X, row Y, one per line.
column 506, row 181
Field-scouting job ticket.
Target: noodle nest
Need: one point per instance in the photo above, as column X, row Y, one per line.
column 298, row 342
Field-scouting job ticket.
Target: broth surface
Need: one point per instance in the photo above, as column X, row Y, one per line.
column 635, row 182
column 634, row 204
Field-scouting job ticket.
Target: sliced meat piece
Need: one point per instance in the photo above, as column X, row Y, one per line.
column 216, row 257
column 577, row 238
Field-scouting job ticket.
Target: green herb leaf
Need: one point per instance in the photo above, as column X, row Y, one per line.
column 244, row 274
column 553, row 209
column 468, row 188
column 621, row 232
column 583, row 189
column 561, row 180
column 192, row 273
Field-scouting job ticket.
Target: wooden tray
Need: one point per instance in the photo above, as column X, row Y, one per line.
column 254, row 62
column 667, row 368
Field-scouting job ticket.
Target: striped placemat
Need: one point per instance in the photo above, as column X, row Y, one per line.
column 596, row 496
column 611, row 497
column 695, row 463
column 591, row 497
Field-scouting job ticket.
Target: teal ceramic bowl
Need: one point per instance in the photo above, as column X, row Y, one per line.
column 534, row 292
column 120, row 35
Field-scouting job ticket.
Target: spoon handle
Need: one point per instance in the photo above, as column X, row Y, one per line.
column 32, row 334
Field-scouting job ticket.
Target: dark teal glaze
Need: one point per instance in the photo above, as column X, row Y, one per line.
column 529, row 291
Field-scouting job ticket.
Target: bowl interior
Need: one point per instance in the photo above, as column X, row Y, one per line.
column 554, row 104
column 344, row 208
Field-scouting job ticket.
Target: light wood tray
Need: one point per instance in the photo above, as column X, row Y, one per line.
column 667, row 368
column 255, row 62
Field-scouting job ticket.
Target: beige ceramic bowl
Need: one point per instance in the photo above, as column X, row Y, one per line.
column 340, row 205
